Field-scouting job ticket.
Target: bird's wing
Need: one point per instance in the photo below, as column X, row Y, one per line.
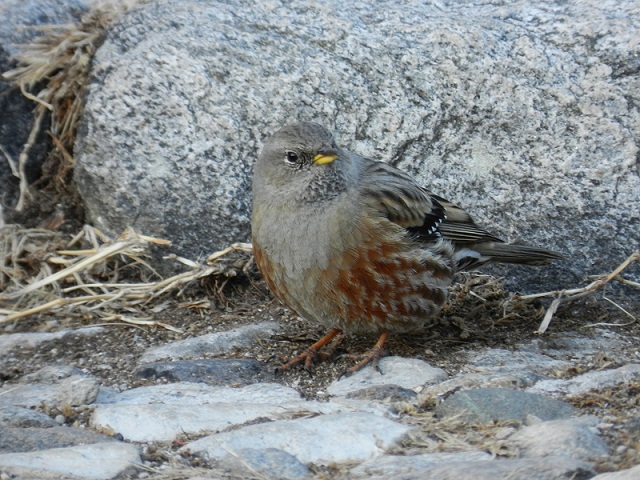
column 424, row 214
column 459, row 227
column 396, row 196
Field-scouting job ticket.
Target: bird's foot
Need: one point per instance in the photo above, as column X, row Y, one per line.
column 311, row 354
column 370, row 357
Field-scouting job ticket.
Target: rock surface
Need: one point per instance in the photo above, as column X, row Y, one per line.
column 522, row 116
column 212, row 344
column 98, row 461
column 484, row 405
column 311, row 440
column 377, row 425
column 49, row 386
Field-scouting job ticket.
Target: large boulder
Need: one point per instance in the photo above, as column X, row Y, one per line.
column 526, row 114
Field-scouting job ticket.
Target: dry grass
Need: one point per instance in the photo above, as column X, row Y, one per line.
column 599, row 281
column 53, row 71
column 91, row 274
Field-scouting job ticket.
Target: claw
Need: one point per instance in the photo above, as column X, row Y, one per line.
column 311, row 353
column 371, row 357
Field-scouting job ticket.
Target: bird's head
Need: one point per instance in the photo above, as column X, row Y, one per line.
column 301, row 162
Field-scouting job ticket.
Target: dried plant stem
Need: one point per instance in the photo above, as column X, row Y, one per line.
column 53, row 72
column 103, row 299
column 104, row 253
column 575, row 293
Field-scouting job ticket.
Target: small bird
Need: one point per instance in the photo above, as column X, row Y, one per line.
column 357, row 245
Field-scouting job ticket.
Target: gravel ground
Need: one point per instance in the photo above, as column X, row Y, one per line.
column 488, row 317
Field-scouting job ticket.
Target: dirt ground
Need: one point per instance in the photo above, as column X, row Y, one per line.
column 487, row 317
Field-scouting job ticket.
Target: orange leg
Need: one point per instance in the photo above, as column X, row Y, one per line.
column 309, row 355
column 370, row 357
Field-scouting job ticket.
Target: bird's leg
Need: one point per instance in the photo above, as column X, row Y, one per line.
column 309, row 355
column 370, row 357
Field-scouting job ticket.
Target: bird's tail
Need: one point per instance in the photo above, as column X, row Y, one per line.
column 496, row 252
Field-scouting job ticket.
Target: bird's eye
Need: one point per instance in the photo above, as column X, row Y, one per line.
column 291, row 158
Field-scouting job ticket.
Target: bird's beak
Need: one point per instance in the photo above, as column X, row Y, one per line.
column 325, row 155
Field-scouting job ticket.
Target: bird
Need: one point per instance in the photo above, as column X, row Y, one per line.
column 357, row 245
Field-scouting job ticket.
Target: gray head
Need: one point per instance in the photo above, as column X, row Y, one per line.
column 300, row 162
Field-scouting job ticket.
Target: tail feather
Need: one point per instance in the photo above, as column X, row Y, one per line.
column 495, row 252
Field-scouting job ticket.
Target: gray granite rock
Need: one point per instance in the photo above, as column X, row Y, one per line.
column 409, row 373
column 222, row 371
column 575, row 346
column 629, row 474
column 513, row 379
column 211, row 344
column 485, row 405
column 594, row 380
column 32, row 439
column 99, row 461
column 323, row 439
column 550, row 468
column 52, row 385
column 267, row 463
column 575, row 438
column 11, row 416
column 157, row 422
column 499, row 106
column 199, row 394
column 470, row 466
column 503, row 361
column 389, row 466
column 384, row 393
column 160, row 413
column 14, row 341
column 51, row 374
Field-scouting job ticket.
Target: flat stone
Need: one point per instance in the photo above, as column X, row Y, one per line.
column 14, row 341
column 11, row 416
column 457, row 468
column 575, row 438
column 266, row 463
column 501, row 360
column 324, row 439
column 629, row 474
column 485, row 405
column 574, row 346
column 409, row 373
column 32, row 439
column 384, row 394
column 52, row 374
column 186, row 393
column 160, row 412
column 99, row 461
column 212, row 344
column 388, row 466
column 596, row 380
column 162, row 422
column 515, row 379
column 74, row 390
column 220, row 371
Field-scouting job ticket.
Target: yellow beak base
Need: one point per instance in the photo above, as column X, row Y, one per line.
column 321, row 159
